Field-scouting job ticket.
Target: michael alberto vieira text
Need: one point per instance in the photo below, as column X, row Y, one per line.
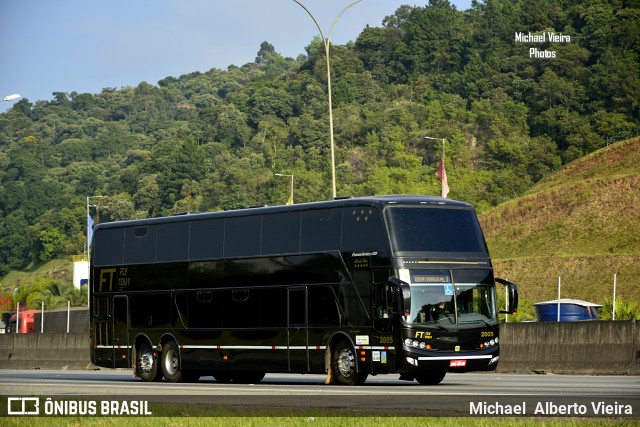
column 548, row 408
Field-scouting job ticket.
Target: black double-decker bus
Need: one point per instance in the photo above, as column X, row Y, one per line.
column 350, row 288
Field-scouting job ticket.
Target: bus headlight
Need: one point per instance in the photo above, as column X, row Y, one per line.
column 417, row 344
column 491, row 342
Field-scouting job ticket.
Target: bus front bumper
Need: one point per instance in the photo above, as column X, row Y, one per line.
column 418, row 361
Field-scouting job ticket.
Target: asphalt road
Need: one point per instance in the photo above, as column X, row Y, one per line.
column 380, row 395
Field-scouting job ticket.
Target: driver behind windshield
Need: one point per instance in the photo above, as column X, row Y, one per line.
column 432, row 312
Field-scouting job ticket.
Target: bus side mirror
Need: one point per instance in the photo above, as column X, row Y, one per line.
column 512, row 295
column 405, row 300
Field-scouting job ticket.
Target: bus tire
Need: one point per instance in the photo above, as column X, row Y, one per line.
column 344, row 365
column 433, row 377
column 147, row 363
column 170, row 362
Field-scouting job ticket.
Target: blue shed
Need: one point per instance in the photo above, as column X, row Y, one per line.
column 571, row 310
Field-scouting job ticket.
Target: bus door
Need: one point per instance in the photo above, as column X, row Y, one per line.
column 385, row 301
column 297, row 330
column 121, row 348
column 387, row 341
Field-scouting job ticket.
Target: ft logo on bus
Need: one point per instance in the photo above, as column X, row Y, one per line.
column 106, row 278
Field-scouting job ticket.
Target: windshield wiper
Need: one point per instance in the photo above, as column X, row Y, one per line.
column 470, row 321
column 437, row 325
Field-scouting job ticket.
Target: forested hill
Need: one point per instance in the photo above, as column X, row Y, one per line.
column 517, row 88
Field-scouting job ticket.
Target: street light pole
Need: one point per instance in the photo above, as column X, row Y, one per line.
column 290, row 201
column 327, row 42
column 88, row 226
column 87, row 248
column 438, row 139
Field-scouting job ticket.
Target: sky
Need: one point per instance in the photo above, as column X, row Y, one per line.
column 51, row 46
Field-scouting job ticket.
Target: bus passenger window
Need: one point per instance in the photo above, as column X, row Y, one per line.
column 204, row 297
column 323, row 309
column 240, row 309
column 203, row 309
column 297, row 307
column 153, row 310
column 272, row 307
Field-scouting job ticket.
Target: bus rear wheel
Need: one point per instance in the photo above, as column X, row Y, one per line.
column 170, row 362
column 344, row 365
column 432, row 377
column 147, row 363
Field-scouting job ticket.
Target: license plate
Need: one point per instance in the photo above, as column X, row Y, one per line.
column 457, row 363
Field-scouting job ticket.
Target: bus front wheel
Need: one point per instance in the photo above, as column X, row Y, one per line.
column 147, row 363
column 344, row 366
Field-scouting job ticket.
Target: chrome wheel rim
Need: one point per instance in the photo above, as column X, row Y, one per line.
column 346, row 362
column 146, row 362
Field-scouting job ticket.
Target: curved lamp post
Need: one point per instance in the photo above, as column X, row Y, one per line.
column 327, row 42
column 90, row 221
column 437, row 139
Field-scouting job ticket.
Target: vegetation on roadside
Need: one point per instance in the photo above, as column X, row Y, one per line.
column 625, row 310
column 53, row 293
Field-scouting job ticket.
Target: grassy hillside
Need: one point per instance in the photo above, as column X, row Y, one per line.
column 581, row 223
column 61, row 269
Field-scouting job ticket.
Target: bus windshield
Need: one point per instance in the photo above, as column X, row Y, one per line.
column 435, row 229
column 466, row 301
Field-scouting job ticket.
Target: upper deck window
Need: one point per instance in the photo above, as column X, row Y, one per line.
column 434, row 229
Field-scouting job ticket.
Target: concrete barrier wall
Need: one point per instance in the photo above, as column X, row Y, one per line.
column 603, row 348
column 45, row 351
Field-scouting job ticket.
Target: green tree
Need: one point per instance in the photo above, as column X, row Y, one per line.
column 51, row 244
column 271, row 61
column 54, row 294
column 119, row 207
column 148, row 198
column 225, row 123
